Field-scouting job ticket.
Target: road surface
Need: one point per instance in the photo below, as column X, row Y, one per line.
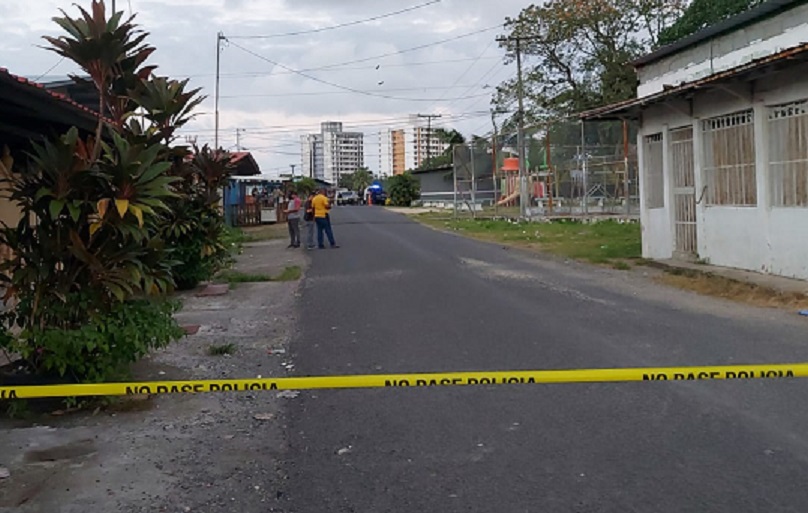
column 400, row 297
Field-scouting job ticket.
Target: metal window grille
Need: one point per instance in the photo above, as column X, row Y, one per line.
column 788, row 154
column 684, row 189
column 729, row 159
column 654, row 178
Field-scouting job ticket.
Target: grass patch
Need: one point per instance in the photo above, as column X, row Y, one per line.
column 718, row 286
column 234, row 239
column 265, row 232
column 222, row 350
column 621, row 265
column 291, row 273
column 233, row 277
column 605, row 242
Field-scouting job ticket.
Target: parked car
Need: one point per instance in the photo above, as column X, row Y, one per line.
column 345, row 197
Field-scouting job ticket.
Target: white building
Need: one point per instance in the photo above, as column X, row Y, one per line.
column 332, row 153
column 311, row 152
column 406, row 148
column 723, row 143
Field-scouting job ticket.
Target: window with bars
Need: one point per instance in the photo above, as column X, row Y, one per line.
column 788, row 154
column 728, row 144
column 654, row 177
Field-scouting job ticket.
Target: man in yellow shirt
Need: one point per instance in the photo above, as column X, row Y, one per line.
column 321, row 205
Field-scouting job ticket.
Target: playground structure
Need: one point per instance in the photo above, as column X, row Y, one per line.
column 565, row 175
column 537, row 188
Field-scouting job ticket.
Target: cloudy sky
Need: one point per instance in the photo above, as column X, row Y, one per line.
column 435, row 59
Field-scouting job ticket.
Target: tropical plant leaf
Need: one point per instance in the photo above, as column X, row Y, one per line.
column 122, row 205
column 55, row 208
column 103, row 206
column 138, row 213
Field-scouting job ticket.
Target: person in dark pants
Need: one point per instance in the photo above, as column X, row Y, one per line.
column 321, row 205
column 293, row 220
column 308, row 220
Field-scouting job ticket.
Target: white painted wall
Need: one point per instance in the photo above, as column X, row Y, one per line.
column 762, row 238
column 778, row 33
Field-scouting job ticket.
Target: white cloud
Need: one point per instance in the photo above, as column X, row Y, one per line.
column 184, row 33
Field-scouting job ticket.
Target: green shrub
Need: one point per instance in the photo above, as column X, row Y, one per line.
column 100, row 347
column 84, row 285
column 196, row 230
column 403, row 189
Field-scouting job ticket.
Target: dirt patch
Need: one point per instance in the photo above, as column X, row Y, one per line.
column 265, row 232
column 709, row 284
column 215, row 453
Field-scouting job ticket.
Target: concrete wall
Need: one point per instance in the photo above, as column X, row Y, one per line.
column 762, row 238
column 778, row 33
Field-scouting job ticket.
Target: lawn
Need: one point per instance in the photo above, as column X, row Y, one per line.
column 605, row 242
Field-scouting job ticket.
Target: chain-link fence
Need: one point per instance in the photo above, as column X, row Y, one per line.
column 571, row 170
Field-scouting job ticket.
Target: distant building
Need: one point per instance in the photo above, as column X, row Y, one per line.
column 407, row 148
column 332, row 153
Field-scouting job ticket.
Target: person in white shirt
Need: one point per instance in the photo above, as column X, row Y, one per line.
column 293, row 219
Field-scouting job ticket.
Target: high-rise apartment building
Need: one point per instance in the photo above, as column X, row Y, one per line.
column 332, row 153
column 407, row 148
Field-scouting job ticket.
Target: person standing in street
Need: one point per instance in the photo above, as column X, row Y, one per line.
column 293, row 219
column 308, row 220
column 321, row 205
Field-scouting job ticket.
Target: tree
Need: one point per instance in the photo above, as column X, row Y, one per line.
column 577, row 53
column 361, row 180
column 85, row 284
column 403, row 189
column 703, row 13
column 449, row 137
column 306, row 186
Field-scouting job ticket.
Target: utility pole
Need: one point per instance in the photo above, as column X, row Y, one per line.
column 429, row 118
column 219, row 38
column 239, row 131
column 113, row 7
column 494, row 160
column 520, row 92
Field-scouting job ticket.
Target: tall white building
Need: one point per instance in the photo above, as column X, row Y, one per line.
column 406, row 148
column 312, row 154
column 332, row 153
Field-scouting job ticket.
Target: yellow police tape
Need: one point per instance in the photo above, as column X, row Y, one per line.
column 764, row 371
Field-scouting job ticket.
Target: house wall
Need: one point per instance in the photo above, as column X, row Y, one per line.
column 759, row 238
column 770, row 36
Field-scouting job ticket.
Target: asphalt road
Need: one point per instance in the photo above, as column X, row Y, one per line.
column 399, row 297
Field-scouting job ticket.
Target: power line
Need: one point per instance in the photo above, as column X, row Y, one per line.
column 471, row 66
column 322, row 93
column 254, row 74
column 309, row 127
column 343, row 25
column 408, row 50
column 332, row 84
column 37, row 79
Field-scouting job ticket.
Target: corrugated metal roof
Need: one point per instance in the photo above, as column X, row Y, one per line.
column 762, row 11
column 621, row 109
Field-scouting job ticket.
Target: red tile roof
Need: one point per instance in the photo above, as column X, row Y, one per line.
column 53, row 94
column 238, row 156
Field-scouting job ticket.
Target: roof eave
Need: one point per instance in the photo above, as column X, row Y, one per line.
column 762, row 11
column 630, row 109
